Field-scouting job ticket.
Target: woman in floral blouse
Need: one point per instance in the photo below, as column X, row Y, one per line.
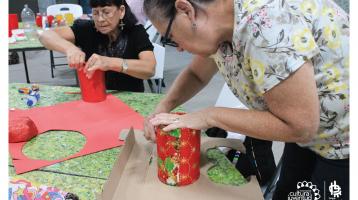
column 286, row 60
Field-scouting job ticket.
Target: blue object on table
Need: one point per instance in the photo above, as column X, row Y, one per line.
column 32, row 98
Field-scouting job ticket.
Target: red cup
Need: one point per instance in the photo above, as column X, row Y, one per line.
column 50, row 19
column 94, row 89
column 39, row 20
column 13, row 23
column 178, row 156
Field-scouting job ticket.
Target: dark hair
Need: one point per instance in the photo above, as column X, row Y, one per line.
column 165, row 9
column 129, row 18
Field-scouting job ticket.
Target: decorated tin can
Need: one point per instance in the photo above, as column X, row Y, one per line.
column 178, row 156
column 94, row 89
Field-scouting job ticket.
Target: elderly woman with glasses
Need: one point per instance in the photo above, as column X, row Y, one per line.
column 285, row 60
column 111, row 42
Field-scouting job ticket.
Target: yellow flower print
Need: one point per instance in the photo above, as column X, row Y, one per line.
column 258, row 71
column 309, row 7
column 323, row 149
column 248, row 94
column 331, row 71
column 332, row 34
column 303, row 41
column 337, row 86
column 251, row 5
column 329, row 12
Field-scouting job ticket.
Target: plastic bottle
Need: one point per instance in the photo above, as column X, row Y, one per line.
column 32, row 98
column 44, row 21
column 28, row 22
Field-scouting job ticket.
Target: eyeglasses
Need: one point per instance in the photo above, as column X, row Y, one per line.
column 166, row 39
column 106, row 14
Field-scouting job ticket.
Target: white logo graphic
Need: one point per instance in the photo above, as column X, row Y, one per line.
column 335, row 190
column 305, row 191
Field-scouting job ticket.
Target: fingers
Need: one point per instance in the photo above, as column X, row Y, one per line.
column 92, row 65
column 149, row 132
column 165, row 118
column 76, row 59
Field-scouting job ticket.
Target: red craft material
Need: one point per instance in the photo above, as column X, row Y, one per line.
column 50, row 19
column 178, row 156
column 21, row 129
column 94, row 89
column 39, row 20
column 100, row 123
column 13, row 23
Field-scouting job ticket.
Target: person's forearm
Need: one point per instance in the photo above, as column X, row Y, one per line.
column 141, row 69
column 52, row 41
column 258, row 124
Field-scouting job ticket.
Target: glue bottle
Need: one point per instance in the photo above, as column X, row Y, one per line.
column 33, row 97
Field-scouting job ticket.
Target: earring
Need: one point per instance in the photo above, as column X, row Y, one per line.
column 194, row 26
column 121, row 24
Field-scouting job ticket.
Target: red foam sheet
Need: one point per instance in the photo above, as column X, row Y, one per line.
column 100, row 123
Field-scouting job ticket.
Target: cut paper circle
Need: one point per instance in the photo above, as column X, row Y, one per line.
column 100, row 123
column 53, row 145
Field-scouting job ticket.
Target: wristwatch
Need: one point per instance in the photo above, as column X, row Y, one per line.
column 124, row 66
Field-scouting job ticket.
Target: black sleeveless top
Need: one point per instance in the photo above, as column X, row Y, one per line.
column 128, row 45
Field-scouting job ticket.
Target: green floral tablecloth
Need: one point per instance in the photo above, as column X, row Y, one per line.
column 34, row 43
column 86, row 175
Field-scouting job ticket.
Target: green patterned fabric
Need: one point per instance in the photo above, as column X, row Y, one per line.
column 25, row 44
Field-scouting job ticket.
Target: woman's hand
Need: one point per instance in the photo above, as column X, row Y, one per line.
column 149, row 131
column 96, row 62
column 75, row 57
column 197, row 120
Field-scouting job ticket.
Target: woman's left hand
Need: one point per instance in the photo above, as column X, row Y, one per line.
column 96, row 62
column 196, row 120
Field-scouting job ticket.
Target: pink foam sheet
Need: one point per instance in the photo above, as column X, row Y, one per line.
column 100, row 123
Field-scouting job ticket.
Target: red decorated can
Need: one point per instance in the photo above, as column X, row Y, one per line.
column 178, row 156
column 94, row 89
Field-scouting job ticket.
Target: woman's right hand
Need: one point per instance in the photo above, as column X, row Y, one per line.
column 75, row 57
column 149, row 129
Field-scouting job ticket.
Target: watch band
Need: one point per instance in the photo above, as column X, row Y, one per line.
column 124, row 66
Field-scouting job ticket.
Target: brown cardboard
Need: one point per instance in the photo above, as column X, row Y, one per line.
column 133, row 178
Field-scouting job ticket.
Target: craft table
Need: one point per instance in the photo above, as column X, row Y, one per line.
column 26, row 45
column 86, row 175
column 32, row 45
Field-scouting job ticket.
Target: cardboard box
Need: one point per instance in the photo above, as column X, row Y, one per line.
column 134, row 177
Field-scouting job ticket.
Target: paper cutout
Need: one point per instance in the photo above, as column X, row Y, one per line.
column 25, row 190
column 100, row 123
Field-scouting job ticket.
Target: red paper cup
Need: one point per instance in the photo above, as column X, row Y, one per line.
column 13, row 23
column 94, row 89
column 39, row 20
column 178, row 156
column 50, row 19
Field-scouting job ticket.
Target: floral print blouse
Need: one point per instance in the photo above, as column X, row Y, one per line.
column 274, row 38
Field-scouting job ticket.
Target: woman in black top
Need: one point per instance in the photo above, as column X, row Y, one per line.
column 111, row 42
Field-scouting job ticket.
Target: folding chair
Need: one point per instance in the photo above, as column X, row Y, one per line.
column 159, row 53
column 151, row 31
column 61, row 9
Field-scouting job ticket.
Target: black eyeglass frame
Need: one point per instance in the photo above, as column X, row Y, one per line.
column 166, row 40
